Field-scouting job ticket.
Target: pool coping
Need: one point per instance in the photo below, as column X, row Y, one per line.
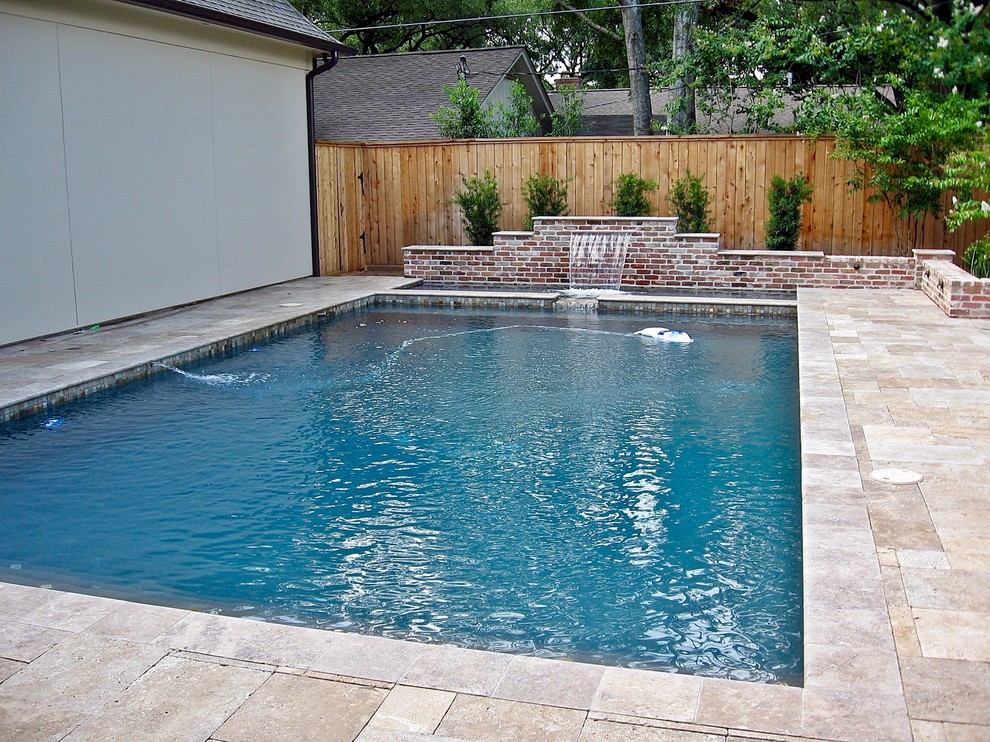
column 852, row 686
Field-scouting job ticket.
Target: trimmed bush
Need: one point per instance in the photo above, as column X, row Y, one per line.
column 689, row 199
column 785, row 199
column 629, row 195
column 545, row 196
column 480, row 208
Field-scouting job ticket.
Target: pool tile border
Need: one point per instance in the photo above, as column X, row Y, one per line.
column 852, row 689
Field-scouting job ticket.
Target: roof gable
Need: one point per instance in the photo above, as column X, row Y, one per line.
column 273, row 18
column 389, row 97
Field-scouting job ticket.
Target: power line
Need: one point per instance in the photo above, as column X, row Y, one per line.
column 416, row 24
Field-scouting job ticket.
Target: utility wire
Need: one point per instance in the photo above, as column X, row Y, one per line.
column 415, row 24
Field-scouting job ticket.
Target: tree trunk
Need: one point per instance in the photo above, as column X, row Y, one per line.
column 639, row 83
column 683, row 116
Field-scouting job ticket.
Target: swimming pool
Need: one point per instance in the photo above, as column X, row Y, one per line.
column 530, row 482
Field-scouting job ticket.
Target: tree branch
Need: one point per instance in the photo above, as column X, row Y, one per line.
column 585, row 19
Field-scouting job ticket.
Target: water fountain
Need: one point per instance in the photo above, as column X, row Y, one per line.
column 596, row 262
column 596, row 259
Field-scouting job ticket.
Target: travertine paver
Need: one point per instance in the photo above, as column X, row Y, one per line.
column 929, row 411
column 887, row 380
column 301, row 709
column 409, row 709
column 178, row 699
column 491, row 719
column 551, row 682
column 599, row 730
column 81, row 672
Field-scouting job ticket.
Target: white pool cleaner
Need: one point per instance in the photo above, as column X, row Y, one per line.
column 664, row 335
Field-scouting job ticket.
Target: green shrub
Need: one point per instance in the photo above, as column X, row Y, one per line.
column 515, row 119
column 545, row 196
column 786, row 198
column 565, row 121
column 629, row 197
column 976, row 259
column 480, row 206
column 465, row 118
column 690, row 201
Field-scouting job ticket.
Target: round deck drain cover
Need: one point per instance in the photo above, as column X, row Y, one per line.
column 897, row 476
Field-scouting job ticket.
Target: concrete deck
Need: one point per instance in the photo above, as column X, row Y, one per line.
column 897, row 605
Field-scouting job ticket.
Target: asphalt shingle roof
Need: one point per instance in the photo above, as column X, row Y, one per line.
column 275, row 18
column 608, row 111
column 389, row 97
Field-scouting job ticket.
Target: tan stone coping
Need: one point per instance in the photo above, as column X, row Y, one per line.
column 852, row 687
column 447, row 248
column 548, row 296
column 792, row 254
column 703, row 300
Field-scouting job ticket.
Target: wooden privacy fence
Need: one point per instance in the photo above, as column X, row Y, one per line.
column 375, row 199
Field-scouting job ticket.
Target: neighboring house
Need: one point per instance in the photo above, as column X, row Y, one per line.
column 152, row 153
column 389, row 97
column 608, row 112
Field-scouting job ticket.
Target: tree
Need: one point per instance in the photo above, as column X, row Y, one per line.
column 682, row 114
column 639, row 83
column 901, row 85
column 343, row 14
column 919, row 107
column 967, row 173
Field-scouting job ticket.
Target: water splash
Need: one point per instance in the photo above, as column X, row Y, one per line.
column 596, row 259
column 242, row 379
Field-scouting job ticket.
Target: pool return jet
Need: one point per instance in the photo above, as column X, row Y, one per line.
column 595, row 270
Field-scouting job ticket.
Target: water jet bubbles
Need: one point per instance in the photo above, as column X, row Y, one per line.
column 52, row 422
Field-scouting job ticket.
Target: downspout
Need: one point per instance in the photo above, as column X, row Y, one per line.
column 324, row 64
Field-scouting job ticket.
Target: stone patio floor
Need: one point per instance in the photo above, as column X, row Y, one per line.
column 897, row 577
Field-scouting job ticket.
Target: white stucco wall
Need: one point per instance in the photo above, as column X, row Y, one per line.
column 145, row 161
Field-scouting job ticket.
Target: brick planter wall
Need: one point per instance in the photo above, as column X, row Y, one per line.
column 660, row 257
column 657, row 256
column 956, row 292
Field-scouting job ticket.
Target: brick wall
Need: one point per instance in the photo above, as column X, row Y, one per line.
column 660, row 257
column 657, row 257
column 956, row 292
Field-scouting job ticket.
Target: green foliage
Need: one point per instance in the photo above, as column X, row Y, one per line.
column 900, row 154
column 968, row 173
column 346, row 14
column 464, row 118
column 629, row 195
column 566, row 117
column 480, row 206
column 545, row 196
column 976, row 259
column 690, row 201
column 785, row 200
column 516, row 119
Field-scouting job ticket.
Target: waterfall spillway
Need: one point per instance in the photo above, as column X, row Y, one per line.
column 596, row 259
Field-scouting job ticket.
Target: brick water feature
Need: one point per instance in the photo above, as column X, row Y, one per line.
column 660, row 257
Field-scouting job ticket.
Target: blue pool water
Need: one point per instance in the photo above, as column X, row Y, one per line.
column 529, row 482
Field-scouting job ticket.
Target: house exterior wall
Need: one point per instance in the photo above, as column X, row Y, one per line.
column 146, row 161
